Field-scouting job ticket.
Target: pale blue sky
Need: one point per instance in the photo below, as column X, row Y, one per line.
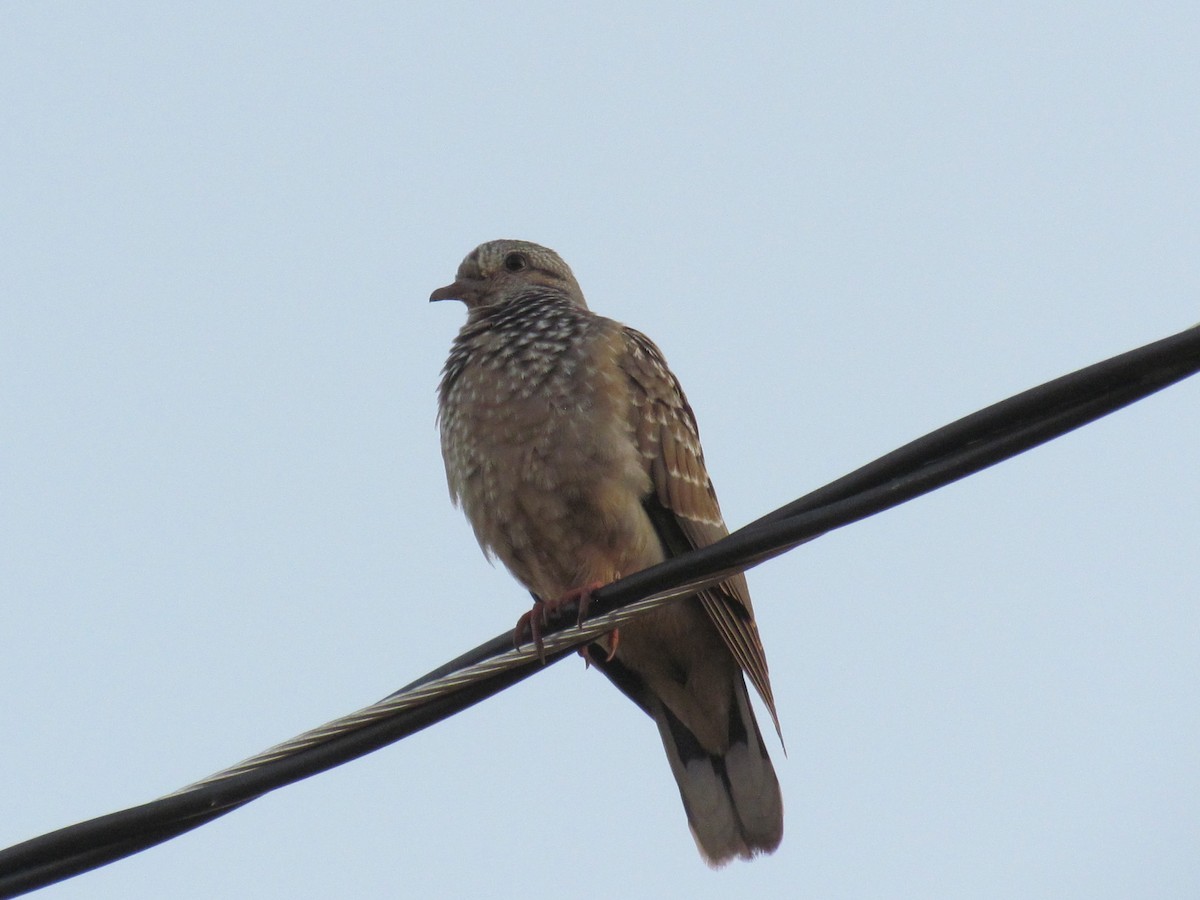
column 224, row 518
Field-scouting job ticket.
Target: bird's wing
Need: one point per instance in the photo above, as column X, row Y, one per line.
column 682, row 503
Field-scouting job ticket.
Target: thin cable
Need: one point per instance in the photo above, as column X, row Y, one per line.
column 969, row 445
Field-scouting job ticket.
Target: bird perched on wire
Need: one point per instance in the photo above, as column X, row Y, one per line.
column 572, row 450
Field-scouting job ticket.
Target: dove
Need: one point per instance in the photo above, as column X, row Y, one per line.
column 573, row 452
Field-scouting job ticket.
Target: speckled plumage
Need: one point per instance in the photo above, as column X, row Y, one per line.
column 576, row 458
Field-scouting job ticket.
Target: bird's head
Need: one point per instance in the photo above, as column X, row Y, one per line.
column 498, row 271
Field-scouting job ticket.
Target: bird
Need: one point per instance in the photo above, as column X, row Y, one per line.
column 576, row 458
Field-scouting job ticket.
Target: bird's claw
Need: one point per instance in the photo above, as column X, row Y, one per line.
column 544, row 611
column 532, row 622
column 614, row 638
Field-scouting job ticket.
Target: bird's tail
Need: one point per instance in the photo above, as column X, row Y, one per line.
column 732, row 799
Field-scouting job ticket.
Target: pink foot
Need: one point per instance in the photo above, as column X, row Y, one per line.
column 614, row 638
column 544, row 610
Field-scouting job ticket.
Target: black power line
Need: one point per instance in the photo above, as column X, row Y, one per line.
column 962, row 448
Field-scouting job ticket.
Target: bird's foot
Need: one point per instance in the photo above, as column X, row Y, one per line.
column 531, row 623
column 614, row 638
column 545, row 611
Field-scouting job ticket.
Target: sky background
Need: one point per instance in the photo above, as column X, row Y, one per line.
column 223, row 516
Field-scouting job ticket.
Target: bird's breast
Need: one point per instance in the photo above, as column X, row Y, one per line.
column 540, row 453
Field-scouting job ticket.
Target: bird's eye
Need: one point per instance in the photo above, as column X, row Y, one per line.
column 515, row 262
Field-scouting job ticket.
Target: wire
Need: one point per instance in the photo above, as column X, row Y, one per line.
column 962, row 448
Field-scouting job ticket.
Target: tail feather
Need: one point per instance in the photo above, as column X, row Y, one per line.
column 732, row 799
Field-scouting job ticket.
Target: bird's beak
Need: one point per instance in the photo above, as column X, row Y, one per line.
column 458, row 290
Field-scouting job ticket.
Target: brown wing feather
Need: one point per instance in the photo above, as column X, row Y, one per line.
column 669, row 441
